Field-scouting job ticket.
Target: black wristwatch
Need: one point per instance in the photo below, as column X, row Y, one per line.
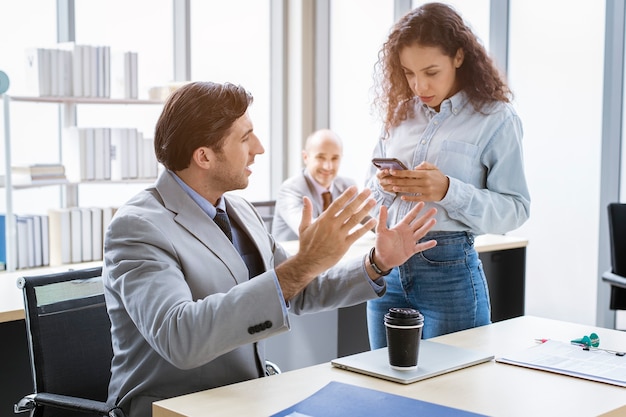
column 375, row 267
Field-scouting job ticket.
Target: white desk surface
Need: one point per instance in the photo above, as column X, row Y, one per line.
column 491, row 388
column 482, row 243
column 12, row 307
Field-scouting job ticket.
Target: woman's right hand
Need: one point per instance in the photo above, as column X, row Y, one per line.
column 385, row 178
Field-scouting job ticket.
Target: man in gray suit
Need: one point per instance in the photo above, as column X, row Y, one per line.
column 190, row 303
column 318, row 181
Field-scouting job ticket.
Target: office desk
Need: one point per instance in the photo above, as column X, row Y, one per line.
column 490, row 388
column 320, row 337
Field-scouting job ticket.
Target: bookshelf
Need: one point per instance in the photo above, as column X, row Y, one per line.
column 69, row 189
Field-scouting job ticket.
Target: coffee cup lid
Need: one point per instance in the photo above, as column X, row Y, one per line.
column 402, row 312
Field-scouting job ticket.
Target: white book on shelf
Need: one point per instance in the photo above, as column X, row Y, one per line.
column 95, row 70
column 96, row 233
column 119, row 74
column 106, row 153
column 100, row 71
column 77, row 154
column 140, row 159
column 77, row 70
column 64, row 72
column 54, row 71
column 99, row 151
column 76, row 234
column 103, row 63
column 45, row 242
column 89, row 153
column 37, row 236
column 74, row 85
column 87, row 70
column 30, row 227
column 86, row 239
column 119, row 153
column 131, row 66
column 37, row 71
column 133, row 137
column 106, row 64
column 59, row 236
column 23, row 242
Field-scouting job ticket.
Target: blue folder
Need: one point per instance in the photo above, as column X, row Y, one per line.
column 337, row 399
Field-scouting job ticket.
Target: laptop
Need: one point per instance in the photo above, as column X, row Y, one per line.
column 434, row 359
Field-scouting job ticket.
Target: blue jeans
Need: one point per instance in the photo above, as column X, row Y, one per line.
column 446, row 284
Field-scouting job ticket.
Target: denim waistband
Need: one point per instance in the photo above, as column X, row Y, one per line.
column 450, row 235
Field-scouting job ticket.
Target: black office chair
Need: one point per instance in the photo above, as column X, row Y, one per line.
column 616, row 276
column 69, row 339
column 266, row 210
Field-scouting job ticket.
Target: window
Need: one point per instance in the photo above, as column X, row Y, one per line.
column 353, row 53
column 230, row 42
column 30, row 122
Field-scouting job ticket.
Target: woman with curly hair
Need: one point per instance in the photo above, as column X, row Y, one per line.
column 447, row 116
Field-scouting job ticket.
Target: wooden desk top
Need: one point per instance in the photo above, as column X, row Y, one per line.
column 11, row 302
column 490, row 388
column 483, row 243
column 12, row 306
column 491, row 243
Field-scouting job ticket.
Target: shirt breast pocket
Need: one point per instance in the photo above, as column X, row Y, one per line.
column 457, row 159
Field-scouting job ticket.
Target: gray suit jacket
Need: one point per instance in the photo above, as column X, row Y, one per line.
column 288, row 210
column 184, row 315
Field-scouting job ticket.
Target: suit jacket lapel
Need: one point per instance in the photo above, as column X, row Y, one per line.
column 191, row 217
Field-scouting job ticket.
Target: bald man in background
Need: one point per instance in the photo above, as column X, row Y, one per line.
column 318, row 180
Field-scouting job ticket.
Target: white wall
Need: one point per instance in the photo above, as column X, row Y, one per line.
column 556, row 72
column 354, row 47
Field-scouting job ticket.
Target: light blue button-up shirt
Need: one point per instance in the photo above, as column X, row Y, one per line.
column 480, row 152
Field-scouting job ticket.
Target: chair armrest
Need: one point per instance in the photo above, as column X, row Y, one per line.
column 271, row 368
column 614, row 279
column 67, row 403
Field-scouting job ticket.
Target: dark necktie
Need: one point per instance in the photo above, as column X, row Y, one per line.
column 221, row 219
column 327, row 198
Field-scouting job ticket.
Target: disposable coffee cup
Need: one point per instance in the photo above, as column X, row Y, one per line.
column 404, row 332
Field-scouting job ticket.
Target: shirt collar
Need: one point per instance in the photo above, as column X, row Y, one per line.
column 204, row 204
column 319, row 188
column 452, row 105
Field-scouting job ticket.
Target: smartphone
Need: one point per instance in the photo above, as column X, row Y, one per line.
column 388, row 163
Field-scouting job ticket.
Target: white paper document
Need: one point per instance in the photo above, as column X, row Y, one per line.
column 564, row 358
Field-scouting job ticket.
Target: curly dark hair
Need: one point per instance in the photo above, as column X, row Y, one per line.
column 197, row 114
column 434, row 25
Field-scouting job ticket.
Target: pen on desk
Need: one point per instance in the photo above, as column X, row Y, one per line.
column 586, row 347
column 612, row 352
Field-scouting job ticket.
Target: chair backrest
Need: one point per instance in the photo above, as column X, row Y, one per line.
column 617, row 233
column 69, row 333
column 266, row 210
